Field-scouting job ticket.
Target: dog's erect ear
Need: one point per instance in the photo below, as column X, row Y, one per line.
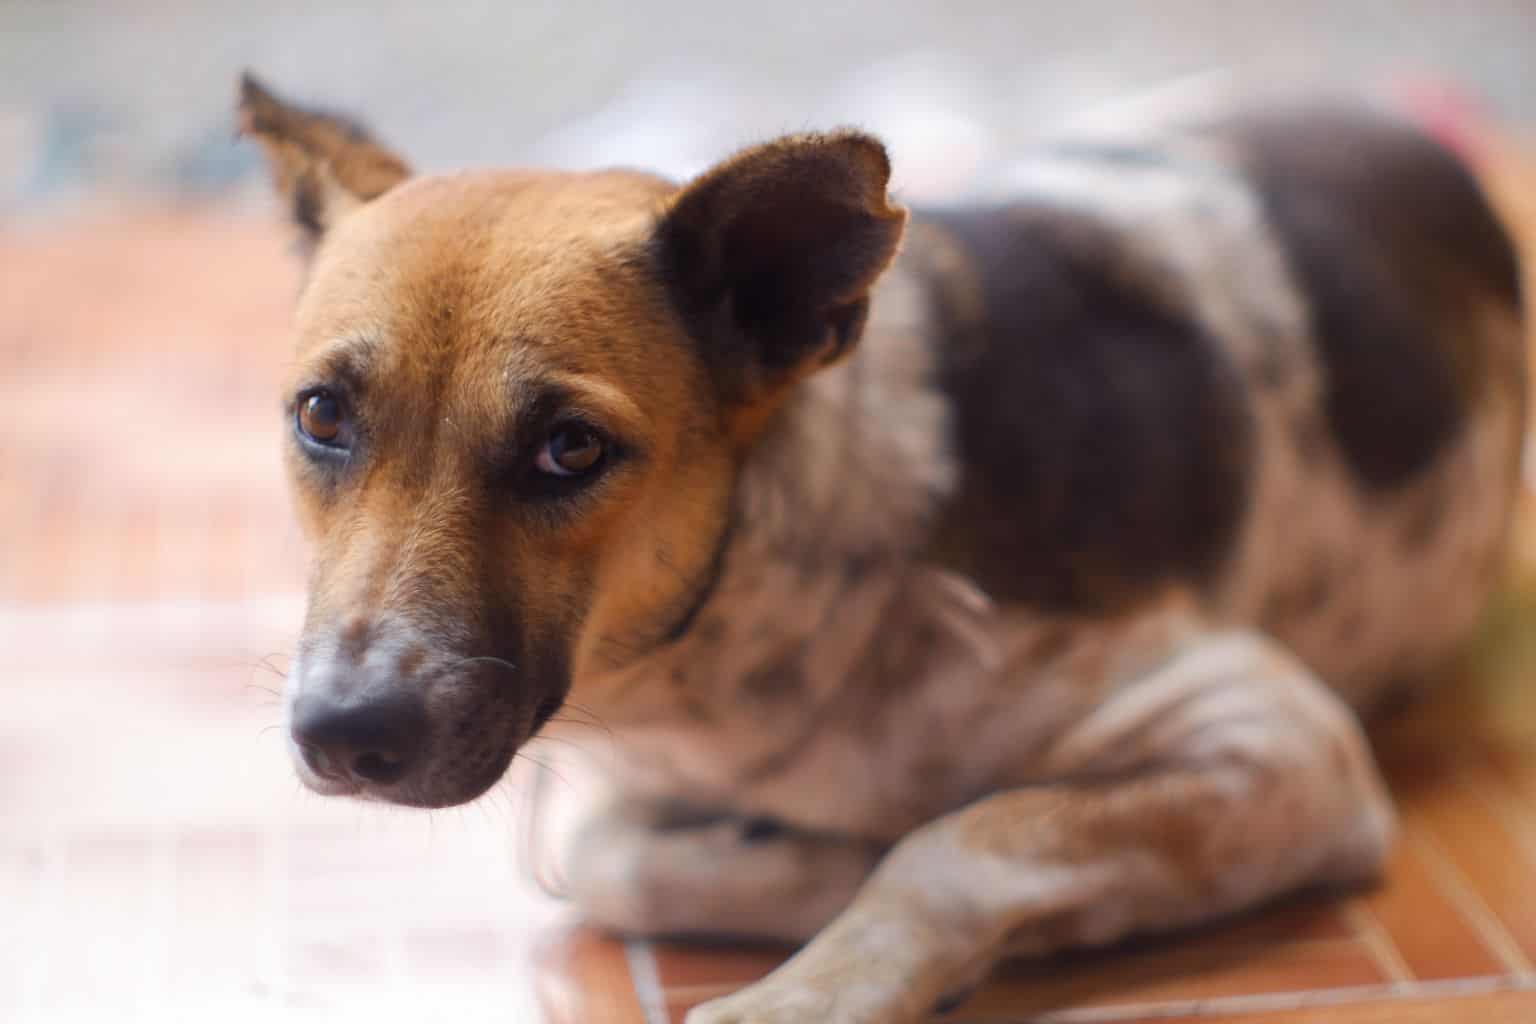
column 323, row 165
column 771, row 255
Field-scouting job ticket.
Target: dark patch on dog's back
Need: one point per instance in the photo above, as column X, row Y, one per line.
column 1104, row 438
column 1393, row 247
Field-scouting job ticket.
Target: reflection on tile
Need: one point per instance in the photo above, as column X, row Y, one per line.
column 585, row 977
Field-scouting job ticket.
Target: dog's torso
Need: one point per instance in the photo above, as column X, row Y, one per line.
column 1164, row 387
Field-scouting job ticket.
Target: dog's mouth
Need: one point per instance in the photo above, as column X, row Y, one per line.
column 392, row 746
column 459, row 777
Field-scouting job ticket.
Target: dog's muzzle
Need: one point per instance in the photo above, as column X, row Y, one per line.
column 384, row 711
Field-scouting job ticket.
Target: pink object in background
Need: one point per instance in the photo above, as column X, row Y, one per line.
column 1453, row 115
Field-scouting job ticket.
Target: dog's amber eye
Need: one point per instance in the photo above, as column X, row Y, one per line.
column 571, row 451
column 320, row 418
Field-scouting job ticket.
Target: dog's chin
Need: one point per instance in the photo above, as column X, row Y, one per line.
column 448, row 792
column 432, row 790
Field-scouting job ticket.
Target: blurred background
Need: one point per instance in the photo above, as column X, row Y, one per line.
column 157, row 859
column 123, row 96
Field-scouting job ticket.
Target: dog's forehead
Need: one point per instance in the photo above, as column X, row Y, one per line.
column 481, row 292
column 458, row 266
column 541, row 205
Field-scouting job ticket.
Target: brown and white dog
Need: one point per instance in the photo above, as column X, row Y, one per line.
column 1020, row 583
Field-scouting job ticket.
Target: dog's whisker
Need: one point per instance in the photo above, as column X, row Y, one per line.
column 565, row 742
column 531, row 830
column 595, row 718
column 543, row 767
column 485, row 659
column 264, row 663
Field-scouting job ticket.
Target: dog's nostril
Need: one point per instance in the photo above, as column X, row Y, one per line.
column 378, row 767
column 318, row 763
column 374, row 740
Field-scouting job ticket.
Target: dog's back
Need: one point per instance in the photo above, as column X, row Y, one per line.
column 1277, row 356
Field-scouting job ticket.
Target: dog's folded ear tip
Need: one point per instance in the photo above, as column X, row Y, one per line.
column 253, row 97
column 252, row 89
column 323, row 164
column 772, row 253
column 852, row 145
column 870, row 146
column 251, row 86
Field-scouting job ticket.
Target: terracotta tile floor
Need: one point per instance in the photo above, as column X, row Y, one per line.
column 158, row 862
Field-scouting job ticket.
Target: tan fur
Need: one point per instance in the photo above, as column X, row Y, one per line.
column 749, row 600
column 327, row 161
column 396, row 550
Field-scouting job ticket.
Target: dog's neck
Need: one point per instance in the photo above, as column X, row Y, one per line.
column 854, row 468
column 833, row 512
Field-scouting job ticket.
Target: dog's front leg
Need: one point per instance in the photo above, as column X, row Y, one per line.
column 1227, row 776
column 643, row 869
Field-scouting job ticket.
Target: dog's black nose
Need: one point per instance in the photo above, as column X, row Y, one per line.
column 375, row 739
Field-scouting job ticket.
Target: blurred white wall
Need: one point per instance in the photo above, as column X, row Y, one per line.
column 119, row 94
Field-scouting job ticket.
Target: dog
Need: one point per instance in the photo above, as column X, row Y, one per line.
column 1004, row 575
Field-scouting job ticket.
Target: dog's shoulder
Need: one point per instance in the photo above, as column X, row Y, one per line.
column 1102, row 432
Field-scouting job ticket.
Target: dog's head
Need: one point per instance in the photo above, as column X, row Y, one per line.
column 515, row 418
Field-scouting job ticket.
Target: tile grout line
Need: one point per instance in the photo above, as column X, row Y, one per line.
column 1272, row 1002
column 1482, row 918
column 646, row 979
column 1502, row 801
column 1375, row 937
